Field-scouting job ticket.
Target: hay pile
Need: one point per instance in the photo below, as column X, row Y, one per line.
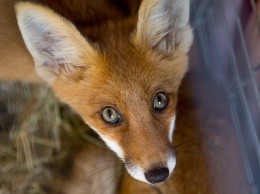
column 36, row 132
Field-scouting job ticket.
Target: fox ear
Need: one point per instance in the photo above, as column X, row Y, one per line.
column 164, row 25
column 56, row 45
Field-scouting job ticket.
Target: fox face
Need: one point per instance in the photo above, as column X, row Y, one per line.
column 125, row 85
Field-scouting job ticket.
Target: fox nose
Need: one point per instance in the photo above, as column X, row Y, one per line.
column 157, row 175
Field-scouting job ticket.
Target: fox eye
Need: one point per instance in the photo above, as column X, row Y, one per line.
column 110, row 115
column 160, row 101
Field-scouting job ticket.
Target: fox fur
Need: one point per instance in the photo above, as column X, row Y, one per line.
column 105, row 57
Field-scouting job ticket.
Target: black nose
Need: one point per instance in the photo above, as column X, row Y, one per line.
column 157, row 175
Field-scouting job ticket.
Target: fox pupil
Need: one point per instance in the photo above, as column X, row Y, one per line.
column 109, row 114
column 159, row 100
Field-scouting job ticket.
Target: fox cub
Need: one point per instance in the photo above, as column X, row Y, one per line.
column 121, row 75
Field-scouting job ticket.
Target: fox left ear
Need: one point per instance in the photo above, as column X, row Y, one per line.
column 164, row 25
column 55, row 44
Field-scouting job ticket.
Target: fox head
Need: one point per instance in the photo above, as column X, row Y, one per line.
column 125, row 87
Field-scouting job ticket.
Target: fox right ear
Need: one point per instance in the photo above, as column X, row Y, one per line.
column 164, row 25
column 56, row 45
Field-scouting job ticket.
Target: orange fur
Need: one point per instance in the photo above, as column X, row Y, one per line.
column 113, row 58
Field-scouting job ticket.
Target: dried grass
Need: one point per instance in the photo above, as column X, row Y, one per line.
column 36, row 130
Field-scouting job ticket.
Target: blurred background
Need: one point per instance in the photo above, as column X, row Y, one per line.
column 226, row 58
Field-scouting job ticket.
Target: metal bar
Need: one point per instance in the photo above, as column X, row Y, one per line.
column 248, row 61
column 232, row 106
column 252, row 128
